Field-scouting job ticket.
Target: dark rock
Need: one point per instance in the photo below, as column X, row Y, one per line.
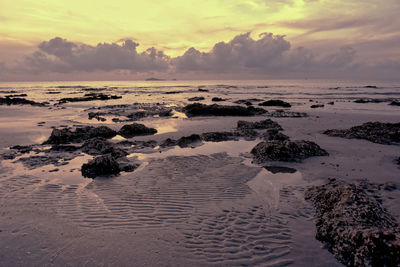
column 22, row 149
column 377, row 132
column 371, row 86
column 395, row 103
column 280, row 113
column 202, row 90
column 10, row 154
column 286, row 150
column 198, row 109
column 137, row 115
column 66, row 135
column 274, row 134
column 100, row 165
column 35, row 161
column 398, row 161
column 248, row 102
column 217, row 136
column 135, row 129
column 277, row 103
column 168, row 142
column 317, row 106
column 173, row 92
column 280, row 169
column 369, row 100
column 96, row 115
column 331, row 103
column 217, row 99
column 88, row 97
column 19, row 101
column 196, row 98
column 264, row 124
column 165, row 113
column 191, row 140
column 99, row 146
column 17, row 95
column 354, row 225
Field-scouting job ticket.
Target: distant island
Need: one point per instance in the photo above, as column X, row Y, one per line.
column 154, row 79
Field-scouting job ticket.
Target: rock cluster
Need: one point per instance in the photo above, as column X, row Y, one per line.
column 286, row 150
column 80, row 134
column 377, row 132
column 354, row 225
column 197, row 109
column 88, row 97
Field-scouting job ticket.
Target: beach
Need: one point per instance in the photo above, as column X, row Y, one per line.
column 201, row 201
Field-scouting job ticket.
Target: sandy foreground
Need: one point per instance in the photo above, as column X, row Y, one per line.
column 208, row 205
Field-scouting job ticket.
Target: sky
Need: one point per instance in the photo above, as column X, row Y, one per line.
column 209, row 39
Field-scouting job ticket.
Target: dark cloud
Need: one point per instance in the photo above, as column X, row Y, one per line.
column 267, row 56
column 270, row 54
column 60, row 55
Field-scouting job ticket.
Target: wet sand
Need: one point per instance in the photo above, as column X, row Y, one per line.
column 203, row 206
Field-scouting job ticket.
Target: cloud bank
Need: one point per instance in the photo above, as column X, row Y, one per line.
column 267, row 56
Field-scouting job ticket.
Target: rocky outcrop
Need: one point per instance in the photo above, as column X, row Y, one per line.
column 354, row 225
column 88, row 97
column 196, row 98
column 135, row 129
column 264, row 124
column 19, row 101
column 377, row 132
column 276, row 103
column 197, row 109
column 218, row 136
column 277, row 150
column 99, row 146
column 100, row 165
column 80, row 134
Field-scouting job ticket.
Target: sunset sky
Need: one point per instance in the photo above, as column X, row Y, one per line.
column 68, row 40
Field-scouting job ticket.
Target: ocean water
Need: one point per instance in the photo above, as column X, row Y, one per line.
column 153, row 91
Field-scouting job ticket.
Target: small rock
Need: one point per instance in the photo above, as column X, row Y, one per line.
column 277, row 103
column 100, row 165
column 135, row 129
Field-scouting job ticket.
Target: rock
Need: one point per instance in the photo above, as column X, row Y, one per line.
column 196, row 98
column 371, row 86
column 317, row 106
column 217, row 99
column 218, row 136
column 331, row 103
column 88, row 97
column 99, row 146
column 369, row 100
column 168, row 142
column 100, row 165
column 66, row 135
column 354, row 225
column 96, row 115
column 248, row 102
column 197, row 109
column 280, row 169
column 36, row 161
column 173, row 92
column 280, row 113
column 10, row 154
column 135, row 129
column 274, row 134
column 264, row 124
column 377, row 132
column 17, row 95
column 398, row 161
column 22, row 149
column 19, row 101
column 277, row 103
column 395, row 103
column 202, row 90
column 191, row 140
column 286, row 150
